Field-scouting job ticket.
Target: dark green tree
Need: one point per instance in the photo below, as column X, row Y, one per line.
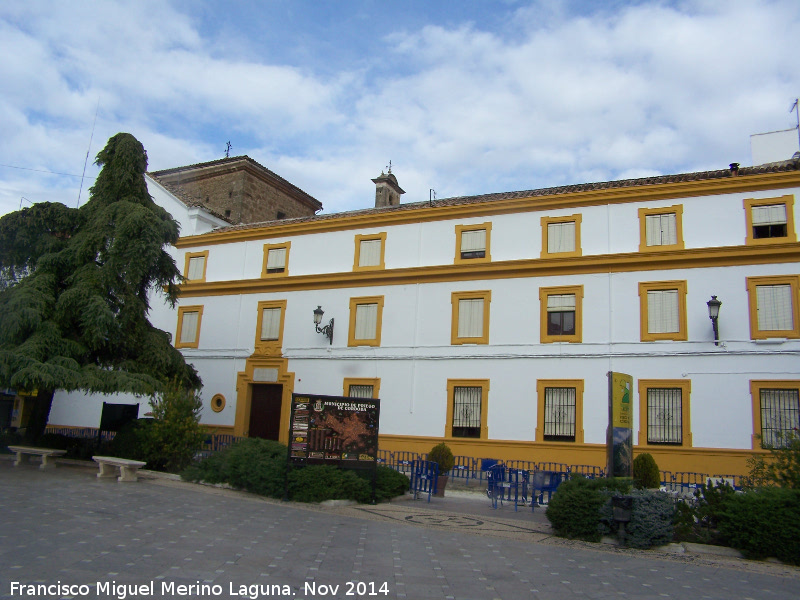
column 75, row 285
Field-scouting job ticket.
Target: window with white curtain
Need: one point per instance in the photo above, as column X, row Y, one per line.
column 769, row 221
column 370, row 253
column 664, row 416
column 473, row 243
column 774, row 307
column 366, row 322
column 663, row 311
column 661, row 229
column 561, row 314
column 276, row 260
column 197, row 268
column 360, row 391
column 270, row 324
column 470, row 318
column 467, row 411
column 188, row 333
column 560, row 237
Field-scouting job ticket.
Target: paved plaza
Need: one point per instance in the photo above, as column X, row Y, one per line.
column 66, row 534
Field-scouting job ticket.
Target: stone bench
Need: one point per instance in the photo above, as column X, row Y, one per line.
column 109, row 466
column 48, row 455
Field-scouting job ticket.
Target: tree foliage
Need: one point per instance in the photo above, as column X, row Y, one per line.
column 76, row 283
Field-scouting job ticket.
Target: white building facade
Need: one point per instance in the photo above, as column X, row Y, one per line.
column 491, row 322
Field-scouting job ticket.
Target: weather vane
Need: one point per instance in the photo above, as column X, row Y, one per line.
column 228, row 149
column 390, row 166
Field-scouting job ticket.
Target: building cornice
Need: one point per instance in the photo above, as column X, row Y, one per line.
column 466, row 208
column 694, row 258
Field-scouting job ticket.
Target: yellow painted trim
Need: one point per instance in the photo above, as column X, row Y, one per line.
column 685, row 385
column 545, row 202
column 374, row 382
column 218, row 429
column 575, row 290
column 188, row 309
column 756, row 385
column 367, row 238
column 752, row 299
column 545, row 221
column 455, row 297
column 476, row 227
column 541, row 385
column 749, row 203
column 677, row 210
column 647, row 286
column 267, row 248
column 354, row 302
column 452, row 384
column 244, row 393
column 695, row 258
column 188, row 257
column 269, row 346
column 218, row 403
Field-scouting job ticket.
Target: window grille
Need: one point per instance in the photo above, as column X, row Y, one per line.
column 664, row 416
column 780, row 416
column 467, row 412
column 560, row 237
column 774, row 307
column 369, row 254
column 360, row 391
column 270, row 324
column 470, row 318
column 661, row 230
column 559, row 414
column 663, row 311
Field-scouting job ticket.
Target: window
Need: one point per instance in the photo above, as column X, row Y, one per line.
column 664, row 416
column 559, row 410
column 663, row 310
column 195, row 266
column 561, row 236
column 188, row 335
column 276, row 260
column 561, row 314
column 473, row 243
column 470, row 320
column 661, row 228
column 770, row 220
column 467, row 408
column 773, row 307
column 776, row 412
column 362, row 388
column 366, row 315
column 370, row 252
column 269, row 327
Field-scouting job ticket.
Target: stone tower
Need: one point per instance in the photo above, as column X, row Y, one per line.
column 387, row 192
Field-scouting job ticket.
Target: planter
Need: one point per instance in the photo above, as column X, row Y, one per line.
column 441, row 483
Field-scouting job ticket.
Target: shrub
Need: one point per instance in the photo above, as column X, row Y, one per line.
column 80, row 448
column 317, row 483
column 443, row 456
column 388, row 482
column 651, row 521
column 574, row 510
column 9, row 438
column 763, row 523
column 175, row 436
column 645, row 471
column 781, row 467
column 128, row 442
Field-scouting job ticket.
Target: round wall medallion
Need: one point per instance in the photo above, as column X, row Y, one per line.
column 217, row 402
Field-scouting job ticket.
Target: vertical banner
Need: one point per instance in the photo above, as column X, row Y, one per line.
column 619, row 436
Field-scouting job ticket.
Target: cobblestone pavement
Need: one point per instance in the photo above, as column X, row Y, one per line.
column 64, row 528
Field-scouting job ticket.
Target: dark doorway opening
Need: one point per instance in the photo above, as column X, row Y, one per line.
column 265, row 411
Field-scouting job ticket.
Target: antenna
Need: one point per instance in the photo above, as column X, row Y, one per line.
column 26, row 200
column 389, row 167
column 796, row 108
column 228, row 149
column 431, row 196
column 89, row 149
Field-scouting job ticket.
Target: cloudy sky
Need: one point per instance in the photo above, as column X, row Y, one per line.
column 463, row 96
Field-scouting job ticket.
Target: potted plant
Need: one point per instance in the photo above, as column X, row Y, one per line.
column 442, row 456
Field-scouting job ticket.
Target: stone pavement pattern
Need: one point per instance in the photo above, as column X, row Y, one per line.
column 67, row 526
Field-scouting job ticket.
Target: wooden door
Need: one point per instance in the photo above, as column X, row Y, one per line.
column 265, row 411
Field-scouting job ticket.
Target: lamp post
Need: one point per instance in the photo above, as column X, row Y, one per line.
column 327, row 330
column 713, row 314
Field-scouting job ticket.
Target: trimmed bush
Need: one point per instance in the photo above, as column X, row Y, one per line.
column 388, row 483
column 645, row 471
column 763, row 523
column 442, row 456
column 574, row 510
column 317, row 483
column 651, row 521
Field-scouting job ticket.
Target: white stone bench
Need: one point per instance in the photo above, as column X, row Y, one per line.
column 109, row 466
column 23, row 452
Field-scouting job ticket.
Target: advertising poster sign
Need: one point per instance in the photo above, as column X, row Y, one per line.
column 619, row 438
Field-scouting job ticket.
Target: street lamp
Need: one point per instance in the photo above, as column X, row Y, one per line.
column 713, row 314
column 327, row 330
